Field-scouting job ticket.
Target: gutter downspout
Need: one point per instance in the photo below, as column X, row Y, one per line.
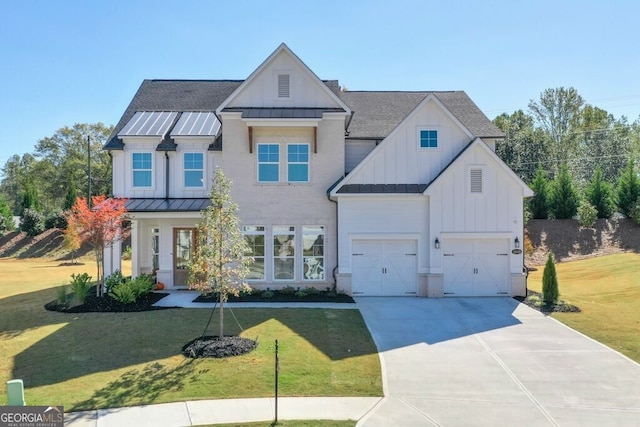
column 333, row 273
column 166, row 174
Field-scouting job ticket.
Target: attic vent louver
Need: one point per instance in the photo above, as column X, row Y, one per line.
column 475, row 183
column 283, row 85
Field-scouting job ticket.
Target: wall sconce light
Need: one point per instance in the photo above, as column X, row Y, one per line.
column 437, row 243
column 516, row 243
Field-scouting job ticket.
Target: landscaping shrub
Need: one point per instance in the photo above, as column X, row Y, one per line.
column 113, row 280
column 128, row 291
column 288, row 290
column 550, row 291
column 123, row 293
column 142, row 285
column 55, row 220
column 61, row 295
column 539, row 204
column 311, row 290
column 634, row 214
column 600, row 194
column 31, row 222
column 628, row 190
column 6, row 217
column 563, row 195
column 80, row 285
column 300, row 294
column 267, row 294
column 587, row 214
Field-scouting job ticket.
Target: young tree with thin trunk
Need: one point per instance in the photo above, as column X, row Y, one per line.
column 550, row 289
column 221, row 259
column 100, row 227
column 71, row 241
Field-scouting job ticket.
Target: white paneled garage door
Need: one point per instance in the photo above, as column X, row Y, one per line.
column 384, row 267
column 475, row 267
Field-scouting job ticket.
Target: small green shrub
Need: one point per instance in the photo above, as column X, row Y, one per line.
column 267, row 294
column 123, row 293
column 254, row 291
column 112, row 280
column 80, row 285
column 55, row 220
column 288, row 290
column 300, row 294
column 587, row 214
column 142, row 285
column 311, row 290
column 550, row 291
column 61, row 295
column 31, row 222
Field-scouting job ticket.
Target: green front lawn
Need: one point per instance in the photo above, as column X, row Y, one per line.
column 607, row 290
column 101, row 360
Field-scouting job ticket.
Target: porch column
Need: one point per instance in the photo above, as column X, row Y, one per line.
column 112, row 258
column 135, row 249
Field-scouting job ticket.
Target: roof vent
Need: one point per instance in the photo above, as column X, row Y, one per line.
column 475, row 181
column 283, row 85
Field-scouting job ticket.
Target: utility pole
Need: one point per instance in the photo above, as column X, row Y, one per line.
column 89, row 168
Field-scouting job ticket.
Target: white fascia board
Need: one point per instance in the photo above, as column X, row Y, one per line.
column 141, row 139
column 407, row 196
column 282, row 122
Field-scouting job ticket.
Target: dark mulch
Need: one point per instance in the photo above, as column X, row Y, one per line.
column 322, row 296
column 534, row 300
column 93, row 304
column 214, row 346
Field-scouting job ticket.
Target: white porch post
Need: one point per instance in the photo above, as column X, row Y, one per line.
column 135, row 249
column 112, row 258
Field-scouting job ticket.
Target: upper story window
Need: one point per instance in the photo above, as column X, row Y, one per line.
column 283, row 85
column 268, row 162
column 298, row 162
column 193, row 170
column 428, row 138
column 142, row 166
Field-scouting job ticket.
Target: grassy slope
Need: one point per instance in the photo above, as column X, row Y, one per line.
column 104, row 360
column 607, row 290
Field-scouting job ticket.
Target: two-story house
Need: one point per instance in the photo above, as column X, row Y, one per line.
column 379, row 193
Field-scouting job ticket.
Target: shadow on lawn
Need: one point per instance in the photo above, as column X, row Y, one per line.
column 141, row 385
column 87, row 343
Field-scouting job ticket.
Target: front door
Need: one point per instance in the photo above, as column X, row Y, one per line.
column 184, row 242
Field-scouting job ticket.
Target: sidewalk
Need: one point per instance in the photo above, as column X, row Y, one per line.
column 182, row 414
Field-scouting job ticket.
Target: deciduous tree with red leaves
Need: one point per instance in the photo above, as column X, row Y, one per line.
column 100, row 226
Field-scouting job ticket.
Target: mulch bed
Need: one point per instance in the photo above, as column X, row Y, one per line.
column 94, row 304
column 322, row 296
column 214, row 346
column 534, row 300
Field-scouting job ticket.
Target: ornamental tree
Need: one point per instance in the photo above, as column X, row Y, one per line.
column 221, row 260
column 100, row 227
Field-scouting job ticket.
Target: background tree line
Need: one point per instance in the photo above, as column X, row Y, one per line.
column 38, row 186
column 579, row 159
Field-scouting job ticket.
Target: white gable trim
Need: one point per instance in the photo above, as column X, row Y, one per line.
column 283, row 48
column 428, row 98
column 478, row 143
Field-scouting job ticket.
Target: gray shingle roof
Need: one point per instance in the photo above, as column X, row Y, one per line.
column 376, row 114
column 283, row 113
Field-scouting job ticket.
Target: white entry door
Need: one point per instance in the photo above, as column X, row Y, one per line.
column 475, row 267
column 384, row 267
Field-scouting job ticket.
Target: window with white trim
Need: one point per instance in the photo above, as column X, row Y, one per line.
column 284, row 252
column 254, row 236
column 142, row 168
column 193, row 164
column 475, row 180
column 313, row 252
column 298, row 162
column 155, row 248
column 428, row 138
column 268, row 162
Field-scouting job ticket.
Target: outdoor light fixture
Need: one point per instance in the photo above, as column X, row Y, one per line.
column 516, row 243
column 437, row 243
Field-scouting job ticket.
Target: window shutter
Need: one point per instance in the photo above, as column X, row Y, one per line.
column 283, row 85
column 475, row 183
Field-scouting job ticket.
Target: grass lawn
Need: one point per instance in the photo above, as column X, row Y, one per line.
column 101, row 360
column 607, row 290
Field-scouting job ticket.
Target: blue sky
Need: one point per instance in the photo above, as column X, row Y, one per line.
column 66, row 62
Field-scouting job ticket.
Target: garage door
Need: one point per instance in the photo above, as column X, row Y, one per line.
column 384, row 267
column 475, row 267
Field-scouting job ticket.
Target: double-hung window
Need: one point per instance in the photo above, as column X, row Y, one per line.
column 284, row 252
column 313, row 252
column 268, row 162
column 428, row 138
column 298, row 162
column 193, row 170
column 254, row 235
column 142, row 169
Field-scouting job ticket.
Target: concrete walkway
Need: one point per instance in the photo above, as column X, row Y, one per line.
column 445, row 362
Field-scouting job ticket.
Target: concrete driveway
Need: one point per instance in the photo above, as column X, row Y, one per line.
column 493, row 362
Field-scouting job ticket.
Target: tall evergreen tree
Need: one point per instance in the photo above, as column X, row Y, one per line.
column 599, row 193
column 563, row 195
column 72, row 194
column 550, row 288
column 628, row 190
column 538, row 205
